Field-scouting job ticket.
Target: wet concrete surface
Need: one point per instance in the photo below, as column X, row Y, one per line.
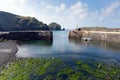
column 7, row 51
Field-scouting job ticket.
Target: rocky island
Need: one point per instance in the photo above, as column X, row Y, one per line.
column 54, row 26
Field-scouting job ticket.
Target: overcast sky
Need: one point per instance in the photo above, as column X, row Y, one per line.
column 68, row 13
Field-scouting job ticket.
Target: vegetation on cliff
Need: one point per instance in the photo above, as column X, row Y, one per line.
column 12, row 22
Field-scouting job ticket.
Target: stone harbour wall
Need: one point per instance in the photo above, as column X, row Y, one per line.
column 107, row 36
column 95, row 35
column 27, row 35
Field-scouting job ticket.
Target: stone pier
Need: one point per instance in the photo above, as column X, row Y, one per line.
column 27, row 35
column 95, row 35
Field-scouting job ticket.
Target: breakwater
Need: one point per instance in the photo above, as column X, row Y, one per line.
column 27, row 35
column 95, row 35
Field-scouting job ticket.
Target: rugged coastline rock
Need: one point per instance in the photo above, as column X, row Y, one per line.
column 12, row 22
column 77, row 33
column 54, row 26
column 95, row 35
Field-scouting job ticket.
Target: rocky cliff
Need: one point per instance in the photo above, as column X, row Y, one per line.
column 12, row 22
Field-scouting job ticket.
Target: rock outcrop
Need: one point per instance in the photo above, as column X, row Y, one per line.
column 77, row 33
column 54, row 26
column 95, row 35
column 12, row 22
column 27, row 35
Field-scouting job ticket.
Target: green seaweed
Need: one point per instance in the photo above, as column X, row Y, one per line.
column 57, row 69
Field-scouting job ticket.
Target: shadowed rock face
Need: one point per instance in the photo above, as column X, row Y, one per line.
column 27, row 35
column 7, row 51
column 12, row 22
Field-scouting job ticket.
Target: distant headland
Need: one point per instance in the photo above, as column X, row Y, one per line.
column 12, row 22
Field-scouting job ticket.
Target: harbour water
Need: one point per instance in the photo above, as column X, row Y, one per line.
column 63, row 47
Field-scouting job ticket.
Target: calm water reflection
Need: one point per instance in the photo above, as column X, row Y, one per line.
column 63, row 47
